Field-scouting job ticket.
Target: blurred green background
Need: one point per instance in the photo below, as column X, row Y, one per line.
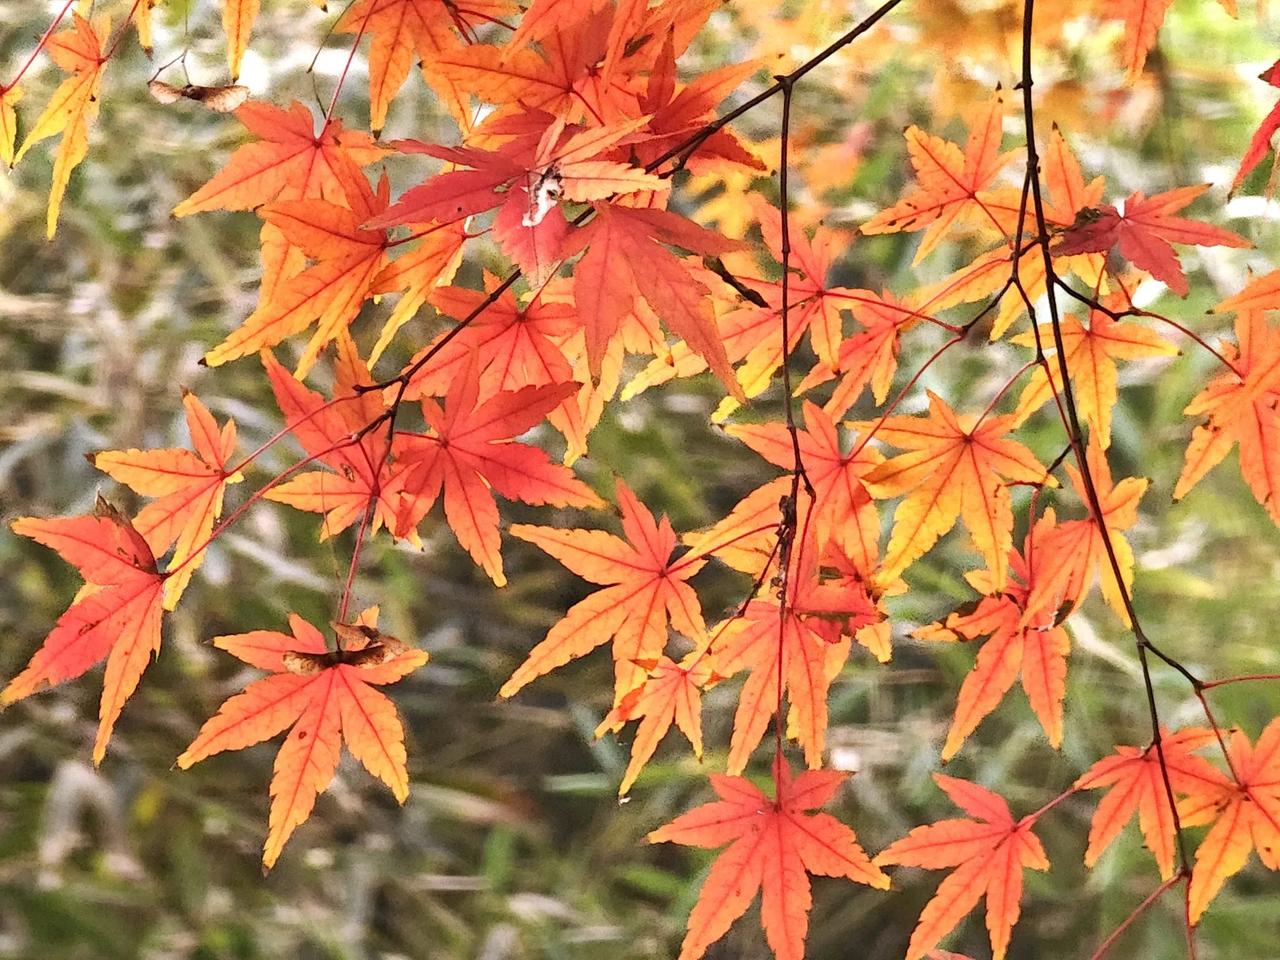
column 513, row 844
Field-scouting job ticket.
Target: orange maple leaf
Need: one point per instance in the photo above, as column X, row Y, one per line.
column 1136, row 783
column 327, row 697
column 517, row 345
column 842, row 507
column 774, row 846
column 289, row 161
column 470, row 452
column 1145, row 233
column 1091, row 355
column 644, row 591
column 795, row 650
column 1247, row 818
column 1241, row 404
column 116, row 615
column 1034, row 652
column 951, row 183
column 565, row 78
column 329, row 293
column 189, row 487
column 956, row 467
column 1070, row 554
column 989, row 853
column 671, row 693
column 406, row 32
column 81, row 52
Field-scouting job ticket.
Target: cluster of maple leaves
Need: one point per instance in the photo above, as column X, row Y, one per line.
column 568, row 170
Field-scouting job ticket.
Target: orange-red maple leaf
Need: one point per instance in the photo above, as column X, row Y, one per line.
column 1260, row 143
column 563, row 77
column 188, row 487
column 360, row 471
column 644, row 591
column 988, row 852
column 956, row 467
column 116, row 615
column 81, row 52
column 774, row 846
column 517, row 345
column 1136, row 783
column 471, row 452
column 626, row 261
column 1247, row 818
column 1242, row 405
column 526, row 178
column 1145, row 233
column 951, row 184
column 671, row 693
column 327, row 697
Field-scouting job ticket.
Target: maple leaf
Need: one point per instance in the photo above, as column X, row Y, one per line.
column 677, row 112
column 525, row 179
column 671, row 693
column 116, row 616
column 1036, row 653
column 1145, row 232
column 416, row 274
column 842, row 506
column 564, row 77
column 955, row 468
column 329, row 293
column 470, row 452
column 409, row 31
column 794, row 649
column 1091, row 353
column 289, row 161
column 360, row 472
column 189, row 487
column 327, row 698
column 1070, row 554
column 644, row 591
column 237, row 23
column 81, row 52
column 1248, row 818
column 1241, row 405
column 950, row 183
column 773, row 847
column 8, row 123
column 1136, row 784
column 626, row 261
column 1260, row 143
column 517, row 345
column 989, row 853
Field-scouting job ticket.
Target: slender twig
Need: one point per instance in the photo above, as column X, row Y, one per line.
column 1128, row 921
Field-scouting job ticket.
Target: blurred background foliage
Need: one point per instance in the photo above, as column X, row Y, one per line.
column 513, row 844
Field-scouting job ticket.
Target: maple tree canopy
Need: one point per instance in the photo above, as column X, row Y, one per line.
column 941, row 339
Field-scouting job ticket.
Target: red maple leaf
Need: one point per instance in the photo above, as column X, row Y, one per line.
column 773, row 847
